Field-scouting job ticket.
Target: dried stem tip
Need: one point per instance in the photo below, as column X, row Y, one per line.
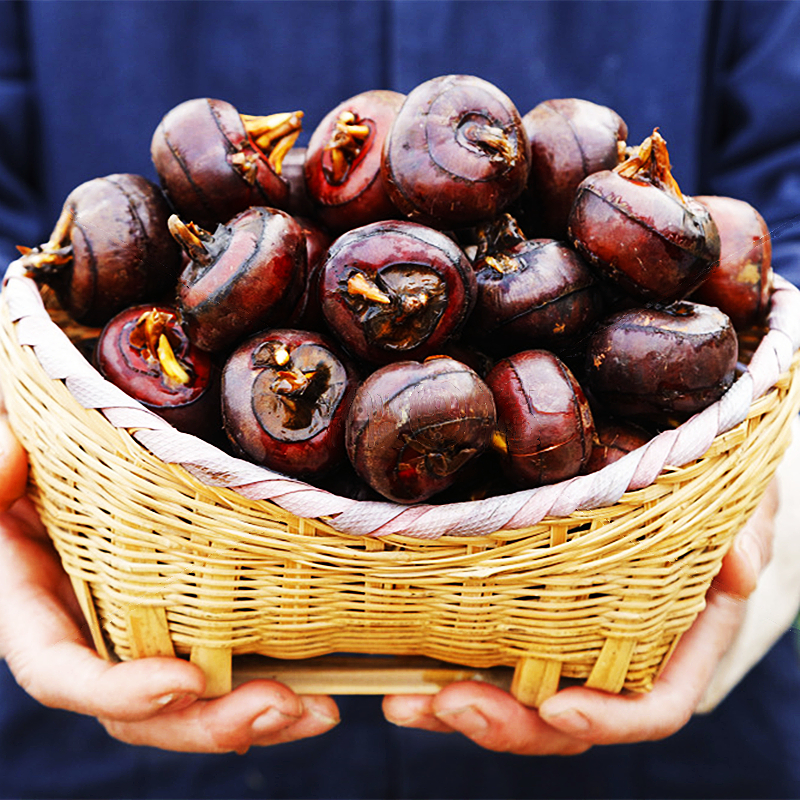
column 491, row 139
column 345, row 144
column 149, row 336
column 56, row 252
column 495, row 238
column 502, row 264
column 281, row 355
column 650, row 162
column 192, row 238
column 274, row 134
column 358, row 284
column 292, row 382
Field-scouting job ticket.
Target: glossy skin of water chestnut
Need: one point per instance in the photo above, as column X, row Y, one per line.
column 544, row 422
column 285, row 398
column 635, row 226
column 308, row 312
column 145, row 352
column 531, row 292
column 109, row 249
column 456, row 154
column 657, row 364
column 396, row 290
column 214, row 162
column 414, row 426
column 299, row 203
column 247, row 275
column 570, row 138
column 343, row 161
column 740, row 283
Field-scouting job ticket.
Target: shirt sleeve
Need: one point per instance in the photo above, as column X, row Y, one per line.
column 752, row 151
column 751, row 144
column 21, row 218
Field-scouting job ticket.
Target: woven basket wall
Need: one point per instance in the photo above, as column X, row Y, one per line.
column 174, row 547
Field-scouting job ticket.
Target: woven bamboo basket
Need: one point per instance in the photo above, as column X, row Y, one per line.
column 175, row 548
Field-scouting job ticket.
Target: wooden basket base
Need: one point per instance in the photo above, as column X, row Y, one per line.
column 365, row 675
column 531, row 681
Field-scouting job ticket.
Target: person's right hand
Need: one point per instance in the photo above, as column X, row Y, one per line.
column 150, row 701
column 576, row 717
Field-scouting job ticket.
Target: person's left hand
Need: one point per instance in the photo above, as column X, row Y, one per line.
column 574, row 719
column 148, row 701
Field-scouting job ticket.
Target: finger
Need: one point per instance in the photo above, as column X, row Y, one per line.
column 493, row 719
column 50, row 659
column 29, row 553
column 31, row 571
column 259, row 712
column 25, row 514
column 13, row 466
column 68, row 674
column 601, row 718
column 320, row 714
column 46, row 651
column 413, row 711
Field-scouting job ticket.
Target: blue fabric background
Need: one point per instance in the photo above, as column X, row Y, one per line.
column 84, row 84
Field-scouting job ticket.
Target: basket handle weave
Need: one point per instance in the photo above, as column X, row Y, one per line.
column 636, row 470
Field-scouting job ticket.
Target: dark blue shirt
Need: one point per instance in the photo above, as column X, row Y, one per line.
column 82, row 88
column 83, row 85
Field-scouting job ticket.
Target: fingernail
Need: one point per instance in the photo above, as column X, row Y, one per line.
column 570, row 720
column 174, row 701
column 327, row 719
column 273, row 719
column 402, row 722
column 466, row 719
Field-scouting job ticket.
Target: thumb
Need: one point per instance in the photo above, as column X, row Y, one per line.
column 13, row 466
column 751, row 549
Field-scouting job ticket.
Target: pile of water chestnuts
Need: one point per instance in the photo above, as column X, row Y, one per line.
column 438, row 298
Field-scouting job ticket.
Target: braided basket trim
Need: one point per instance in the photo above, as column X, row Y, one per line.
column 61, row 360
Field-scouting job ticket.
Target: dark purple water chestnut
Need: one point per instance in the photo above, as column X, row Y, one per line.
column 414, row 426
column 740, row 283
column 531, row 292
column 456, row 154
column 343, row 161
column 570, row 139
column 299, row 203
column 396, row 290
column 344, row 481
column 661, row 363
column 308, row 312
column 214, row 162
column 145, row 352
column 636, row 227
column 109, row 249
column 285, row 398
column 245, row 276
column 544, row 422
column 613, row 439
column 468, row 354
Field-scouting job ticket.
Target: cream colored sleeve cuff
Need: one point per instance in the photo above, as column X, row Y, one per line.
column 774, row 605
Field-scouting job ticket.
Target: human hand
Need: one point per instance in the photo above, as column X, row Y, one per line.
column 151, row 701
column 576, row 718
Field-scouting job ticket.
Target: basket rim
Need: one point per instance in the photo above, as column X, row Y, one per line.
column 524, row 508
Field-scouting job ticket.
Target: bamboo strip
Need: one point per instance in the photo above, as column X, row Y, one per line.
column 365, row 676
column 535, row 679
